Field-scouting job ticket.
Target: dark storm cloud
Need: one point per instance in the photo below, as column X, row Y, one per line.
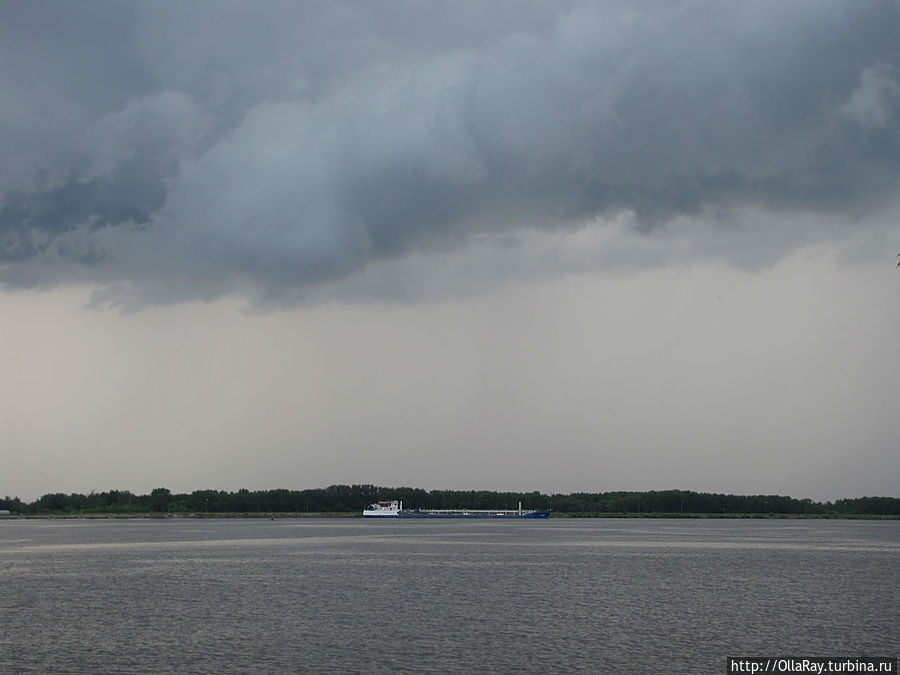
column 192, row 150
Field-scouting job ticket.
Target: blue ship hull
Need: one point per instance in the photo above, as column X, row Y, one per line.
column 394, row 509
column 470, row 516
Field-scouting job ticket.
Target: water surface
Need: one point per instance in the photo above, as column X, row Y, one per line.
column 325, row 595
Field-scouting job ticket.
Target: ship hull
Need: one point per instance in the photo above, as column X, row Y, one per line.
column 478, row 516
column 394, row 509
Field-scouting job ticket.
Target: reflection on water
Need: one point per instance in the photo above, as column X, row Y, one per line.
column 441, row 596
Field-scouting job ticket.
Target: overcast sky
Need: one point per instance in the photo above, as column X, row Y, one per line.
column 551, row 246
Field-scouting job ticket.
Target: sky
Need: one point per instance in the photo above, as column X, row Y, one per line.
column 491, row 244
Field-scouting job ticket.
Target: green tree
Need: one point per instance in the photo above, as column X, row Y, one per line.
column 159, row 499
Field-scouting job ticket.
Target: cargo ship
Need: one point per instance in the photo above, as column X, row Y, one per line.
column 394, row 509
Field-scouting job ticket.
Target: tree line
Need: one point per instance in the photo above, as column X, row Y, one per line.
column 353, row 498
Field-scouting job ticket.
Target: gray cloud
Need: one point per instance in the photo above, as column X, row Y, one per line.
column 188, row 150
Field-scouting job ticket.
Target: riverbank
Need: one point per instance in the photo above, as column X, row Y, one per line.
column 344, row 514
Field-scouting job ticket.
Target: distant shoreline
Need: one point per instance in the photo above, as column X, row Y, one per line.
column 344, row 501
column 348, row 515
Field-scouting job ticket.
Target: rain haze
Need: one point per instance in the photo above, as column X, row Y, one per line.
column 550, row 246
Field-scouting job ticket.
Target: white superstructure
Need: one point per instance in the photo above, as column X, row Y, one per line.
column 383, row 509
